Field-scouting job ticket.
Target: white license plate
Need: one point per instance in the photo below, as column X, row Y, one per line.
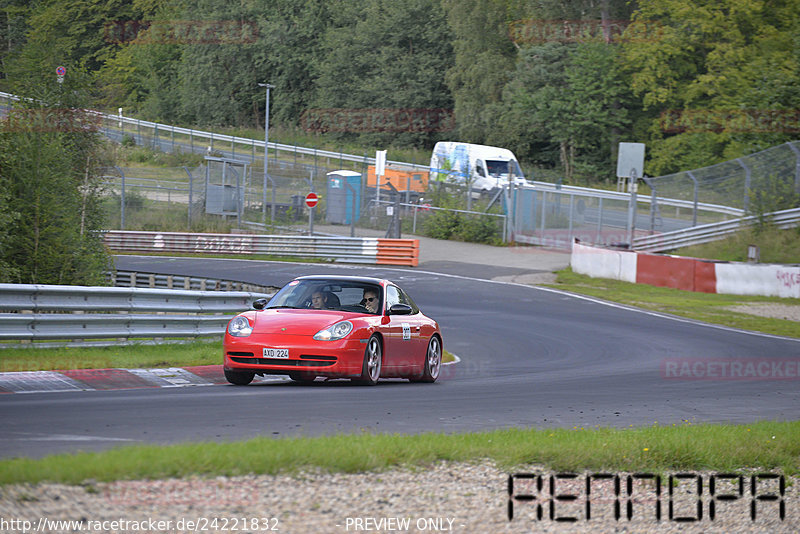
column 275, row 353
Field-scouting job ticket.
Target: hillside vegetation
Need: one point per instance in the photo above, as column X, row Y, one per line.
column 560, row 83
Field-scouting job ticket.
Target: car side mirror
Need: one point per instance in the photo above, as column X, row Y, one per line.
column 400, row 309
column 259, row 304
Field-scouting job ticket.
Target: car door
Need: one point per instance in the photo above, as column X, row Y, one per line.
column 420, row 331
column 409, row 349
column 398, row 337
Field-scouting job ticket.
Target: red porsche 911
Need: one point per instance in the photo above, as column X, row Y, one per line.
column 336, row 327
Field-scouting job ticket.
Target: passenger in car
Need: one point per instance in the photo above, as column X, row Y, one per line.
column 324, row 300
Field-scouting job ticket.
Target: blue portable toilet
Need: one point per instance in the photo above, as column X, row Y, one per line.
column 342, row 200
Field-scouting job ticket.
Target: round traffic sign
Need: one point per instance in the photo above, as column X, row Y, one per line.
column 311, row 199
column 61, row 71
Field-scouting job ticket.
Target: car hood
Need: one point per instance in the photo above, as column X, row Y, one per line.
column 296, row 322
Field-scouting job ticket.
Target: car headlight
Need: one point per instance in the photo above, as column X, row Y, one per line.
column 240, row 327
column 334, row 332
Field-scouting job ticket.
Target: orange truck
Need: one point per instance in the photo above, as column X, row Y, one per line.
column 400, row 178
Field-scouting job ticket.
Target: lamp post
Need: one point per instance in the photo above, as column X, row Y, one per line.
column 266, row 163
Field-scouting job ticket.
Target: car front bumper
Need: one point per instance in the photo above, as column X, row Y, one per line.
column 341, row 358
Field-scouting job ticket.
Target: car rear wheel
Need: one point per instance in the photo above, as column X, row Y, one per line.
column 239, row 378
column 302, row 377
column 373, row 356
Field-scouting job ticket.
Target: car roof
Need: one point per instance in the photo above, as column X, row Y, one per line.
column 344, row 278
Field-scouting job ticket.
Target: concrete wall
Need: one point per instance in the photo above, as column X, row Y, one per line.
column 690, row 274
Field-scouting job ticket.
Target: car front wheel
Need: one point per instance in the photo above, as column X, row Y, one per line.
column 371, row 368
column 239, row 378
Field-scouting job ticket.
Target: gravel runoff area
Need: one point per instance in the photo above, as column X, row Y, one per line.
column 445, row 497
column 774, row 311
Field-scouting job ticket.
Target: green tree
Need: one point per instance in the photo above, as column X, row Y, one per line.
column 565, row 106
column 484, row 57
column 385, row 54
column 698, row 56
column 83, row 32
column 210, row 74
column 49, row 178
column 142, row 74
column 13, row 25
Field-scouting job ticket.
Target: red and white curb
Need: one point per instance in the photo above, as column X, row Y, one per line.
column 105, row 379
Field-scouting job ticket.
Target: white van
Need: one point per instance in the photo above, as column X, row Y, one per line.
column 484, row 167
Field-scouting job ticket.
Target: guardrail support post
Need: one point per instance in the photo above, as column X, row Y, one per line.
column 694, row 217
column 599, row 220
column 747, row 176
column 571, row 203
column 632, row 209
column 122, row 200
column 796, row 166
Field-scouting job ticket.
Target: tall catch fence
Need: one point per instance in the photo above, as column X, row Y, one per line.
column 759, row 183
column 734, row 183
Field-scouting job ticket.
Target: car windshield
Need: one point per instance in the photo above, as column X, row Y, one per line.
column 500, row 168
column 343, row 295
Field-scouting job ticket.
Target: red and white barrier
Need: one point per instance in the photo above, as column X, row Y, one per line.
column 599, row 262
column 367, row 250
column 690, row 274
column 766, row 280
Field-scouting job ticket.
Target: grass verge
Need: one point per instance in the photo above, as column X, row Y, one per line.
column 126, row 357
column 775, row 245
column 708, row 307
column 728, row 448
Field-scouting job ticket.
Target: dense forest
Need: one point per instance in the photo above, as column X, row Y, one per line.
column 559, row 82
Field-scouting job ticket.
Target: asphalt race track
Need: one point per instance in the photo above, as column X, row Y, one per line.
column 531, row 357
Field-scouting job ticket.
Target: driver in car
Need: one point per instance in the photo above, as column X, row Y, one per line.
column 371, row 301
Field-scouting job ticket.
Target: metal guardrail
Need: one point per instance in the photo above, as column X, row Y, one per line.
column 705, row 233
column 365, row 250
column 50, row 312
column 211, row 136
column 174, row 281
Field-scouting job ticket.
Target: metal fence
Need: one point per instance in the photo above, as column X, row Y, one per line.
column 553, row 218
column 192, row 188
column 733, row 183
column 185, row 189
